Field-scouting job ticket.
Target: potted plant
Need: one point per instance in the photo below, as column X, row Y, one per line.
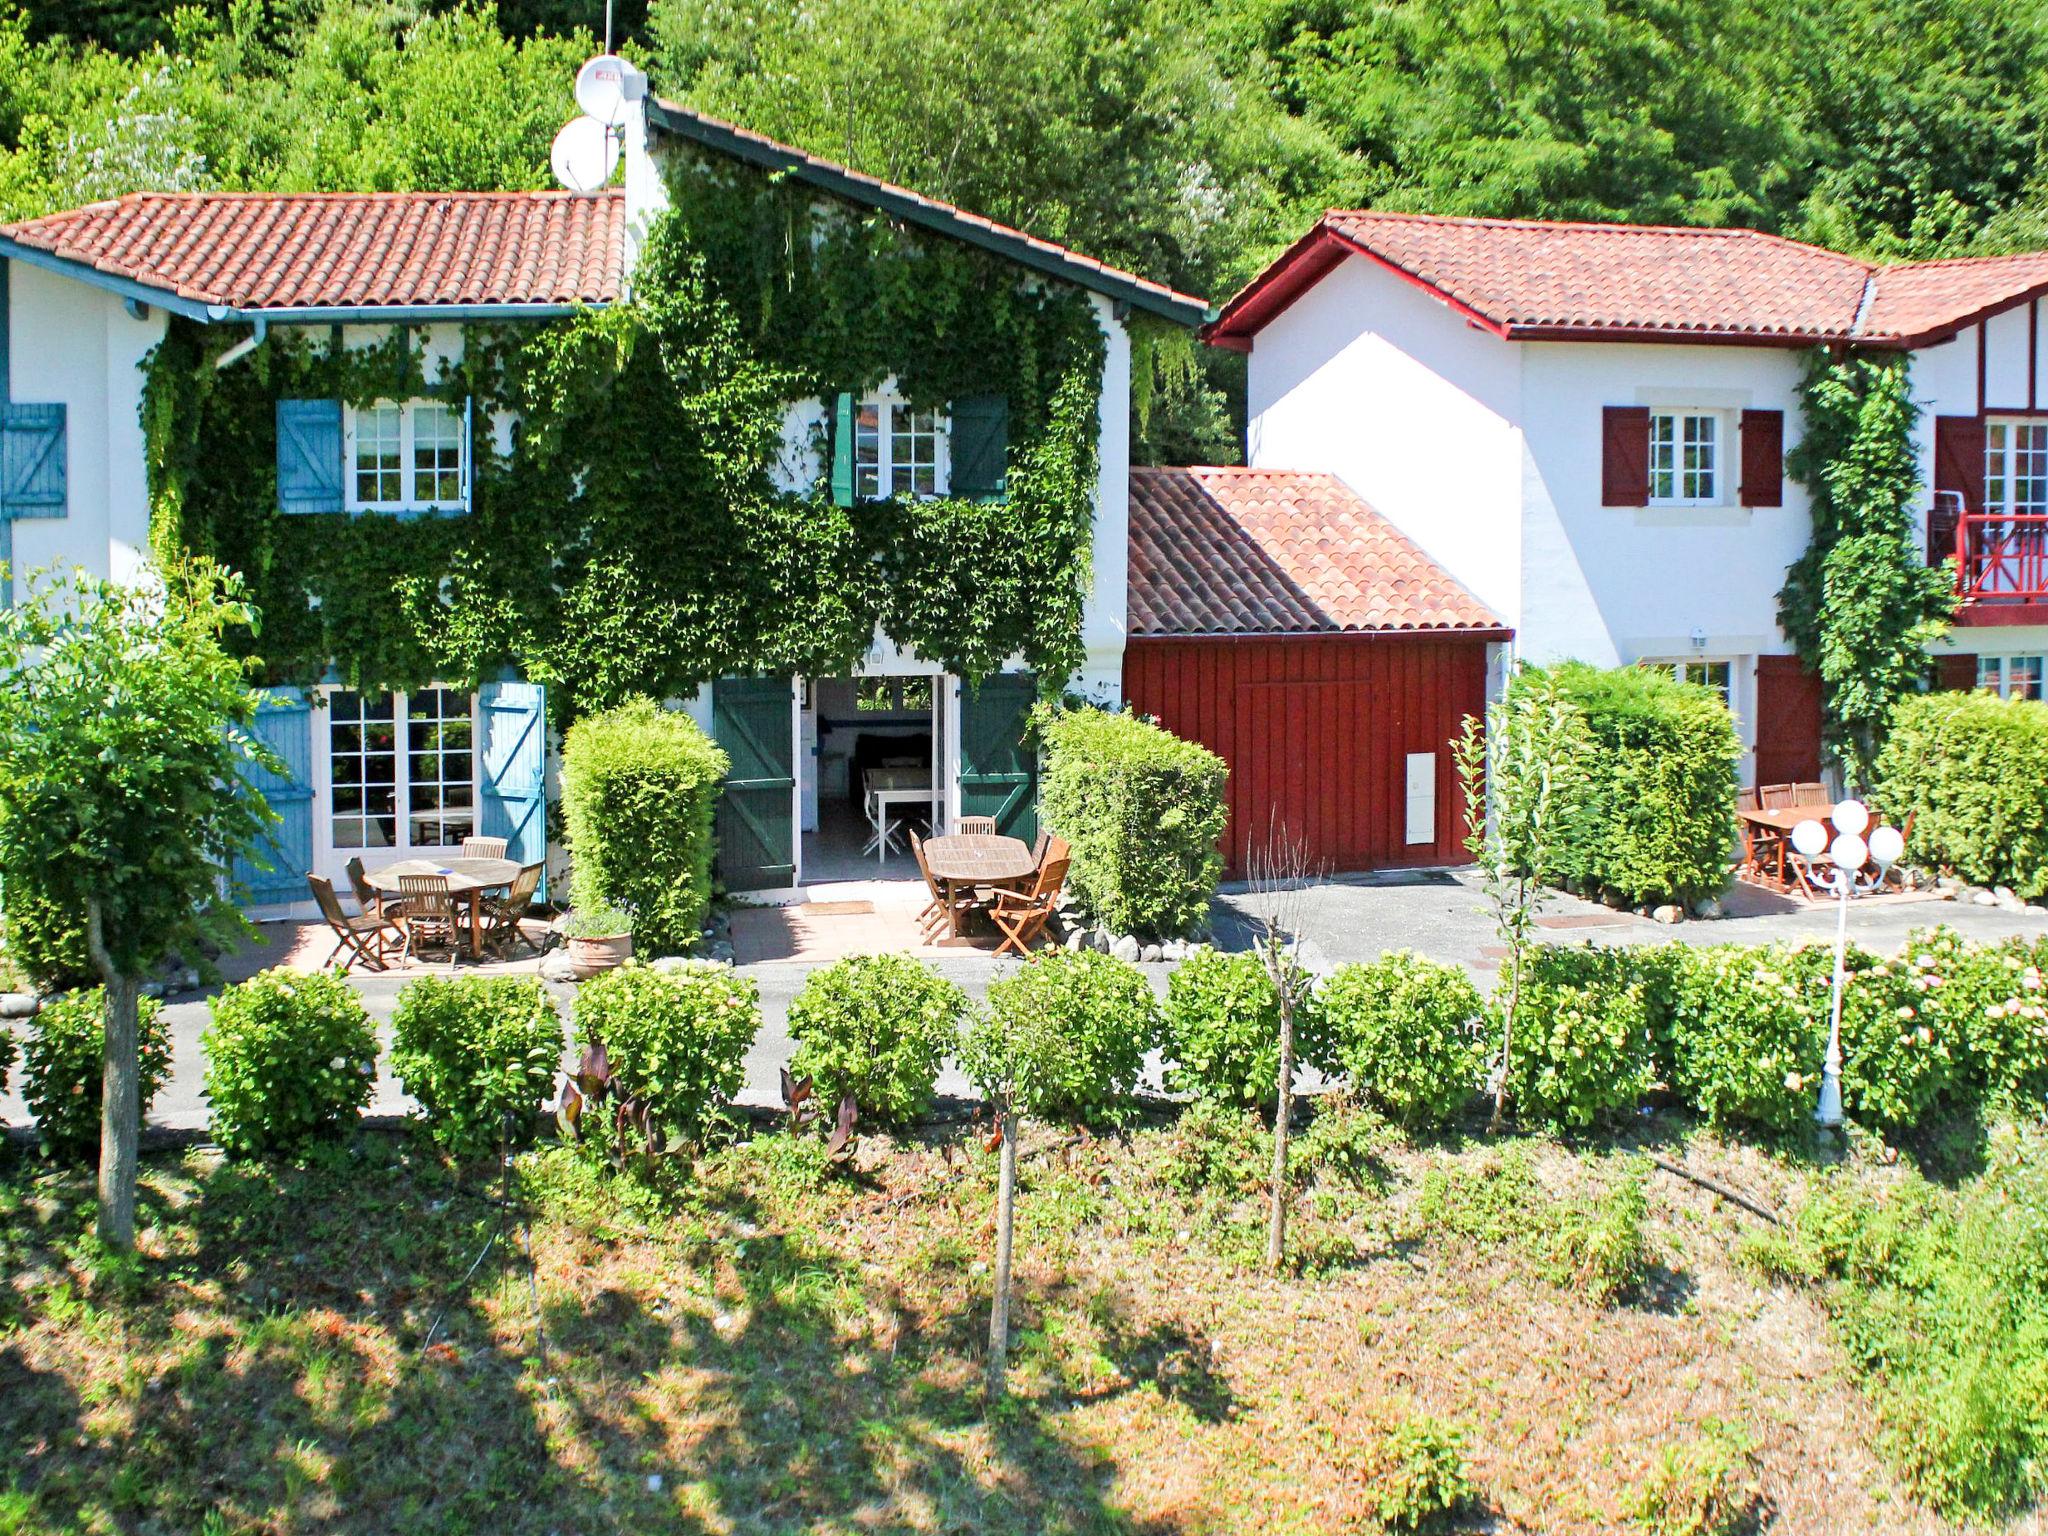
column 599, row 938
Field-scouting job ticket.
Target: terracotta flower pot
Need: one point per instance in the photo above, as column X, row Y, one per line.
column 589, row 956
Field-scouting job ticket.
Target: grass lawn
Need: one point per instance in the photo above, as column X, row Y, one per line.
column 787, row 1349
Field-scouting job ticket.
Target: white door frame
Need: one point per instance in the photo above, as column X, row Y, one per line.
column 331, row 862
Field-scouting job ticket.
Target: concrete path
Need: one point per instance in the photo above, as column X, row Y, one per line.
column 1439, row 915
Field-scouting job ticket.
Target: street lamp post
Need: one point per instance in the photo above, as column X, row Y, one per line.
column 1848, row 856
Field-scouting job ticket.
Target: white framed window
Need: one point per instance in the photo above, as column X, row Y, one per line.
column 401, row 770
column 1685, row 458
column 2016, row 466
column 2013, row 677
column 408, row 457
column 1717, row 675
column 898, row 451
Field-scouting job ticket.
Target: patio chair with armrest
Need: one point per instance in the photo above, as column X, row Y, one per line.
column 363, row 935
column 942, row 909
column 504, row 914
column 427, row 912
column 1022, row 916
column 974, row 826
column 483, row 847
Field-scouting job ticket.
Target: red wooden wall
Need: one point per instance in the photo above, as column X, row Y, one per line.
column 1317, row 729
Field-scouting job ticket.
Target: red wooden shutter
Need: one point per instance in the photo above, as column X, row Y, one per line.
column 1788, row 703
column 1959, row 459
column 1625, row 456
column 1763, row 458
column 1956, row 672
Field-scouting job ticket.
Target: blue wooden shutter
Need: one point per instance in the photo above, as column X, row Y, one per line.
column 512, row 768
column 32, row 461
column 980, row 445
column 842, row 451
column 284, row 723
column 309, row 468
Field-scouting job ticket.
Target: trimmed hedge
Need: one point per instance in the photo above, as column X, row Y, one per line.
column 479, row 1053
column 63, row 1066
column 1581, row 1047
column 877, row 1027
column 1972, row 772
column 289, row 1058
column 1406, row 1031
column 1657, row 820
column 1143, row 811
column 1220, row 1030
column 639, row 788
column 1079, row 1023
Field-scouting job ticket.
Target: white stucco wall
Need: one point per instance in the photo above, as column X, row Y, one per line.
column 1105, row 616
column 77, row 345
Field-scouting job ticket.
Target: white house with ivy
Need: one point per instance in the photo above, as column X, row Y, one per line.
column 1588, row 426
column 475, row 450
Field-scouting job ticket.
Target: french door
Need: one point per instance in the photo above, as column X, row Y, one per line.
column 396, row 776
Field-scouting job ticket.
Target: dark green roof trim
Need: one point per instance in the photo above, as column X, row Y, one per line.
column 926, row 213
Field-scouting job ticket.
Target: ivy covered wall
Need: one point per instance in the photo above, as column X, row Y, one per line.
column 634, row 538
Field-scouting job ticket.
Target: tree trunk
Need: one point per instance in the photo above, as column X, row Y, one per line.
column 1006, row 1211
column 120, row 1090
column 1507, row 1040
column 1276, row 1226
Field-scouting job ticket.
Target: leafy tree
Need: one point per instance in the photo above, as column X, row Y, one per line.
column 1860, row 604
column 124, row 748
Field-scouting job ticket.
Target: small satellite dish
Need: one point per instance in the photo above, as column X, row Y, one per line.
column 601, row 88
column 584, row 155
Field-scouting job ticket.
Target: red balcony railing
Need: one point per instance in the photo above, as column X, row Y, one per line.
column 2000, row 558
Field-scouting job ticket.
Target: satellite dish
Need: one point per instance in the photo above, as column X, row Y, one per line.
column 601, row 88
column 584, row 155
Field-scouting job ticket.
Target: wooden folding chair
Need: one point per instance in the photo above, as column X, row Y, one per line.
column 1811, row 793
column 974, row 826
column 362, row 936
column 368, row 897
column 426, row 910
column 942, row 908
column 503, row 914
column 1022, row 916
column 483, row 847
column 1778, row 797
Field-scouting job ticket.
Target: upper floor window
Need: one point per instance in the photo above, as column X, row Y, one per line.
column 2012, row 677
column 898, row 451
column 1685, row 457
column 410, row 456
column 2016, row 467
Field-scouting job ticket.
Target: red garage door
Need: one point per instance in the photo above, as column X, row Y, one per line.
column 1343, row 740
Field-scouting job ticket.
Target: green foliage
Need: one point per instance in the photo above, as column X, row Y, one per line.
column 479, row 1053
column 289, row 1058
column 1703, row 1486
column 877, row 1027
column 62, row 1067
column 1582, row 1052
column 1989, row 1004
column 1416, row 1474
column 1221, row 1029
column 43, row 938
column 1405, row 1030
column 1592, row 1244
column 1861, row 605
column 1940, row 1298
column 601, row 921
column 1972, row 771
column 676, row 1040
column 639, row 788
column 1655, row 820
column 1898, row 1062
column 1064, row 1037
column 1747, row 1040
column 1143, row 811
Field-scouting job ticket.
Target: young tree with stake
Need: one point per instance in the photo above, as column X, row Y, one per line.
column 124, row 750
column 1281, row 870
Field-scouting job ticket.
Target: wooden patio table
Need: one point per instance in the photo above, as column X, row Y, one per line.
column 975, row 858
column 468, row 879
column 1781, row 820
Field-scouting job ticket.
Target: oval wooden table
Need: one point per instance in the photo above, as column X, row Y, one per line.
column 975, row 858
column 468, row 879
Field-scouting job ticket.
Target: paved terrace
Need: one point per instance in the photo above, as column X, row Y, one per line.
column 1440, row 915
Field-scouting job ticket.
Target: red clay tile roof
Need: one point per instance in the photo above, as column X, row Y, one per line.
column 1532, row 280
column 307, row 250
column 1276, row 552
column 901, row 202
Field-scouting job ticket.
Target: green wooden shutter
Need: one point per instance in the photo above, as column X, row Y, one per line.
column 32, row 461
column 980, row 445
column 998, row 764
column 842, row 451
column 512, row 769
column 309, row 471
column 276, row 875
column 756, row 824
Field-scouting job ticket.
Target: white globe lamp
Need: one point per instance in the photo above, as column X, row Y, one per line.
column 1810, row 838
column 1852, row 817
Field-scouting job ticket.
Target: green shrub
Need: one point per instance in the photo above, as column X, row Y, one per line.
column 1221, row 1029
column 1972, row 772
column 1581, row 1047
column 1990, row 1003
column 875, row 1026
column 1704, row 1487
column 63, row 1066
column 1143, row 811
column 675, row 1042
column 1656, row 818
column 1747, row 1042
column 44, row 941
column 1898, row 1061
column 1415, row 1475
column 288, row 1058
column 480, row 1054
column 639, row 787
column 1405, row 1029
column 1097, row 1016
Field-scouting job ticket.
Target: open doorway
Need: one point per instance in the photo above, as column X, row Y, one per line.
column 871, row 757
